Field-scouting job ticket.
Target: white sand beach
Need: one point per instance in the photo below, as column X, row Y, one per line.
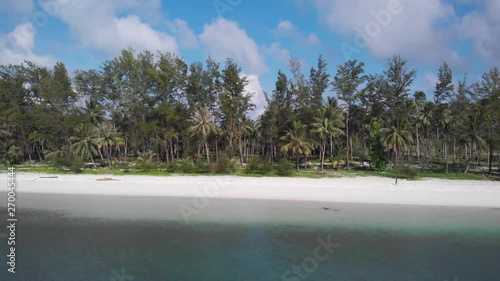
column 369, row 190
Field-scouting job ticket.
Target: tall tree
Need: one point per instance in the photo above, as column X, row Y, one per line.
column 295, row 141
column 235, row 104
column 396, row 139
column 203, row 125
column 442, row 95
column 346, row 83
column 327, row 124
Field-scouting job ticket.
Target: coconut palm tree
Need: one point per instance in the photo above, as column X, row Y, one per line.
column 327, row 125
column 473, row 136
column 396, row 139
column 424, row 118
column 203, row 124
column 108, row 137
column 84, row 142
column 4, row 133
column 296, row 142
column 93, row 111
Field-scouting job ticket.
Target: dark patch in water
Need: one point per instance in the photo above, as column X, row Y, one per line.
column 330, row 209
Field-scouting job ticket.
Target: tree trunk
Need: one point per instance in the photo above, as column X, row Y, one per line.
column 108, row 154
column 331, row 146
column 39, row 155
column 240, row 145
column 446, row 155
column 397, row 158
column 208, row 152
column 271, row 152
column 454, row 152
column 347, row 138
column 418, row 145
column 297, row 155
column 468, row 152
column 498, row 159
column 92, row 158
column 126, row 146
column 100, row 154
column 166, row 152
column 172, row 149
column 490, row 155
column 322, row 154
column 216, row 150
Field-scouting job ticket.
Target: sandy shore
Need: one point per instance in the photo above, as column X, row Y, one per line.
column 370, row 190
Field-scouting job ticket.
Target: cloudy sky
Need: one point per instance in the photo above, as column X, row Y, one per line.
column 260, row 35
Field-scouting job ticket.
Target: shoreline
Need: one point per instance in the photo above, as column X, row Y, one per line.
column 363, row 190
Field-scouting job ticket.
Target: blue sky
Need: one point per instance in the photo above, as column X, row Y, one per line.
column 260, row 35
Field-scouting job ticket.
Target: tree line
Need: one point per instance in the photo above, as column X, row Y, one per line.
column 155, row 106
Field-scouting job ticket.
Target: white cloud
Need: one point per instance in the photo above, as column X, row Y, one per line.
column 223, row 38
column 412, row 30
column 18, row 46
column 281, row 55
column 259, row 99
column 285, row 28
column 430, row 81
column 313, row 39
column 94, row 25
column 482, row 26
column 17, row 6
column 285, row 25
column 186, row 36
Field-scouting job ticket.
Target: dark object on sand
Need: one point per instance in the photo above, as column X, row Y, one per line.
column 107, row 179
column 329, row 209
column 396, row 183
column 54, row 177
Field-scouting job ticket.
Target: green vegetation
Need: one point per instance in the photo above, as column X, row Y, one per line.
column 146, row 113
column 284, row 168
column 256, row 165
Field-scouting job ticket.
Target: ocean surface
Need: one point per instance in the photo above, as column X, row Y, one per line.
column 99, row 238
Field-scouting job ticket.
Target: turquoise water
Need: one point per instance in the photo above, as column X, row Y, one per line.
column 271, row 241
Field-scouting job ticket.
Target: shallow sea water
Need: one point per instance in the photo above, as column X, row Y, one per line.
column 91, row 238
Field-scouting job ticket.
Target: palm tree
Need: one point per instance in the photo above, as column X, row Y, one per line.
column 297, row 144
column 327, row 125
column 424, row 117
column 416, row 108
column 203, row 124
column 249, row 129
column 444, row 123
column 108, row 137
column 4, row 133
column 473, row 135
column 396, row 139
column 84, row 142
column 94, row 111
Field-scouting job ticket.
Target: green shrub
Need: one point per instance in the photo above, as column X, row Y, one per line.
column 224, row 166
column 59, row 158
column 77, row 164
column 182, row 166
column 203, row 167
column 146, row 166
column 257, row 165
column 284, row 168
column 408, row 171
